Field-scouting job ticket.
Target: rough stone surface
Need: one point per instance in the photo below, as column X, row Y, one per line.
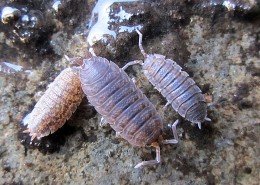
column 216, row 42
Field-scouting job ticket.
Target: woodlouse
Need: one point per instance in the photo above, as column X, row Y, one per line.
column 56, row 106
column 115, row 96
column 174, row 84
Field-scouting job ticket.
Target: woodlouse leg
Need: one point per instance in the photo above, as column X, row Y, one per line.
column 26, row 131
column 165, row 106
column 174, row 131
column 134, row 80
column 140, row 43
column 151, row 162
column 103, row 122
column 7, row 68
column 132, row 63
column 199, row 125
column 91, row 50
column 118, row 134
column 33, row 136
column 206, row 119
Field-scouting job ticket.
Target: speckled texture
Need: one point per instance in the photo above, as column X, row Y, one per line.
column 115, row 96
column 56, row 105
column 217, row 45
column 180, row 91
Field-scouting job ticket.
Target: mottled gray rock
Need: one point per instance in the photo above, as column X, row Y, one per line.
column 216, row 42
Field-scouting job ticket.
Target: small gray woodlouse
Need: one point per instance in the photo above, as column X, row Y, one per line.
column 174, row 84
column 56, row 106
column 115, row 96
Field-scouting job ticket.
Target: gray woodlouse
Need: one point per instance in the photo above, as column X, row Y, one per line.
column 56, row 106
column 115, row 96
column 174, row 84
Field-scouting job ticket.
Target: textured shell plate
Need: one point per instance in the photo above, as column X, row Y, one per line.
column 120, row 102
column 176, row 86
column 56, row 106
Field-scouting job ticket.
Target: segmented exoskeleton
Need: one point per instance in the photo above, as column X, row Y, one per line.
column 175, row 85
column 56, row 106
column 128, row 111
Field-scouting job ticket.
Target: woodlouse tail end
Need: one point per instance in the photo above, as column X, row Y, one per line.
column 199, row 125
column 208, row 119
column 33, row 136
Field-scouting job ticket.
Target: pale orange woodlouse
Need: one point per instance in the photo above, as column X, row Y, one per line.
column 56, row 106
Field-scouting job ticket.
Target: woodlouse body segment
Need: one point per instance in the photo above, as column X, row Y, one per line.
column 120, row 102
column 56, row 106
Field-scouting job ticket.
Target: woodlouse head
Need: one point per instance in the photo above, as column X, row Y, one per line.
column 92, row 69
column 151, row 59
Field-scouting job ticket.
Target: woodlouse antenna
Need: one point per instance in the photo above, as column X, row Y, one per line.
column 140, row 42
column 91, row 50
